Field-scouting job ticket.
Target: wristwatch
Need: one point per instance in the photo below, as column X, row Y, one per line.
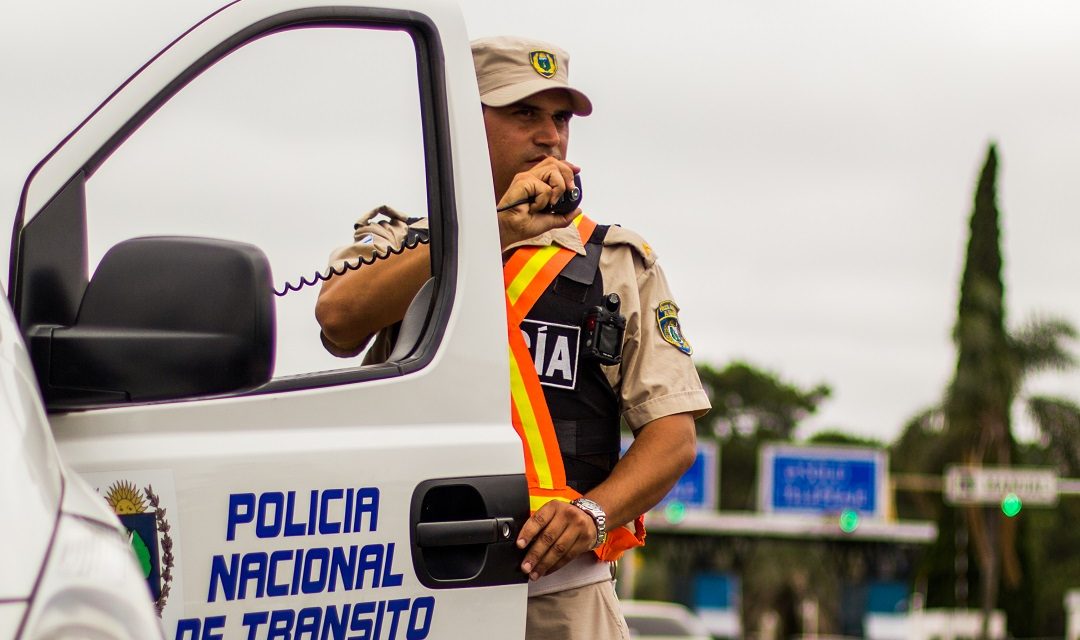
column 598, row 516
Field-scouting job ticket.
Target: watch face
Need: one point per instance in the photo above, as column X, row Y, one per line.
column 598, row 516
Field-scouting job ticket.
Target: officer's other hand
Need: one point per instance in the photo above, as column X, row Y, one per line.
column 544, row 183
column 556, row 534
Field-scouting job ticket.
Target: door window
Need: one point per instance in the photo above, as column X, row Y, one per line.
column 283, row 144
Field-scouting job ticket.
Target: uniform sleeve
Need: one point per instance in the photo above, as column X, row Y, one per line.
column 375, row 238
column 371, row 239
column 657, row 376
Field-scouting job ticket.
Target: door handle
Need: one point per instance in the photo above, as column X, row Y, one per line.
column 459, row 532
column 463, row 530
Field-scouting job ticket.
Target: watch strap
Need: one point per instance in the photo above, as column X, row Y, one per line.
column 597, row 514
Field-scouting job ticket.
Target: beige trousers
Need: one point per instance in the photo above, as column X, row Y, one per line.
column 586, row 613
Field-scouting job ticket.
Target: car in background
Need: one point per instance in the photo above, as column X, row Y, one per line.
column 662, row 620
column 69, row 570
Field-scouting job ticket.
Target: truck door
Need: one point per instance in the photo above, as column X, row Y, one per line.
column 273, row 490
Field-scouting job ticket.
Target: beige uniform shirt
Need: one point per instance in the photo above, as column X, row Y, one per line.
column 655, row 378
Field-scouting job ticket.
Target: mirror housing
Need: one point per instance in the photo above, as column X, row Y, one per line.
column 162, row 318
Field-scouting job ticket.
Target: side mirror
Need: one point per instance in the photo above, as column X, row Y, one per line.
column 162, row 318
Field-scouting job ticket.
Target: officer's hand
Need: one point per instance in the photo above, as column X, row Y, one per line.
column 545, row 183
column 556, row 534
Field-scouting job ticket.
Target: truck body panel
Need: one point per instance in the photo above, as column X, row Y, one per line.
column 292, row 507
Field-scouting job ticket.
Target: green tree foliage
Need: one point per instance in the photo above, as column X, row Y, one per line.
column 1059, row 422
column 1039, row 345
column 1047, row 542
column 747, row 400
column 920, row 451
column 834, row 437
column 979, row 401
column 750, row 407
column 1050, row 546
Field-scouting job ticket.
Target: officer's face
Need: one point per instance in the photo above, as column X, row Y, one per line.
column 524, row 133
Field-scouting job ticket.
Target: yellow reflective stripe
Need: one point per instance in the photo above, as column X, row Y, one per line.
column 535, row 448
column 533, row 266
column 535, row 502
column 529, row 271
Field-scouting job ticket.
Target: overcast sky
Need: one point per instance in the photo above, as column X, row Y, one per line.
column 804, row 169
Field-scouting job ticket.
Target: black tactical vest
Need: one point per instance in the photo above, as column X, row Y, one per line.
column 583, row 406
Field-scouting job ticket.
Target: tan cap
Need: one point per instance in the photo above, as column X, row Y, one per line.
column 509, row 69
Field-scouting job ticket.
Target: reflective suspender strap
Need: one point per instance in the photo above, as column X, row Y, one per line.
column 527, row 274
column 530, row 414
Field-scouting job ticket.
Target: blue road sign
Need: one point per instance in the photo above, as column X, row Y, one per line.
column 822, row 480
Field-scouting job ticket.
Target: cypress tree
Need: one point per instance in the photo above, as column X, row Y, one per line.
column 978, row 551
column 979, row 400
column 977, row 405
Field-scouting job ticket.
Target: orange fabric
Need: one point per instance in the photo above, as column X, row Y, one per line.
column 526, row 275
column 548, row 454
column 548, row 273
column 621, row 539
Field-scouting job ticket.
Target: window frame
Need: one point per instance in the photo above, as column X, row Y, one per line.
column 61, row 223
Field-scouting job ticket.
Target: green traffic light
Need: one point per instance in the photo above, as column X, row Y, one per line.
column 675, row 512
column 1011, row 505
column 849, row 520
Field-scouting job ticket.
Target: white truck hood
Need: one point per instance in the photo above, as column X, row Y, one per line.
column 30, row 472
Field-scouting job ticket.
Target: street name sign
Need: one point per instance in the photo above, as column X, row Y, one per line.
column 969, row 484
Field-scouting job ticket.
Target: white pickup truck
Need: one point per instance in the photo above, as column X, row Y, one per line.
column 267, row 489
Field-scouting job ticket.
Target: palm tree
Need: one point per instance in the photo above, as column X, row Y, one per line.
column 925, row 446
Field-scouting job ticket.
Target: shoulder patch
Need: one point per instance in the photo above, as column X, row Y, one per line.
column 667, row 319
column 619, row 235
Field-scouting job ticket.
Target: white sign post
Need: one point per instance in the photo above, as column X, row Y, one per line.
column 965, row 484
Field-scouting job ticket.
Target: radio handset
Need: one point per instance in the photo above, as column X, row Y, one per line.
column 570, row 200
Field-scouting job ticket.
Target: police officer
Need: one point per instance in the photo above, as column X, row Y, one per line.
column 597, row 341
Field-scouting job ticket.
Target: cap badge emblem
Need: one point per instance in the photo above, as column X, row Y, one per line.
column 543, row 62
column 667, row 318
